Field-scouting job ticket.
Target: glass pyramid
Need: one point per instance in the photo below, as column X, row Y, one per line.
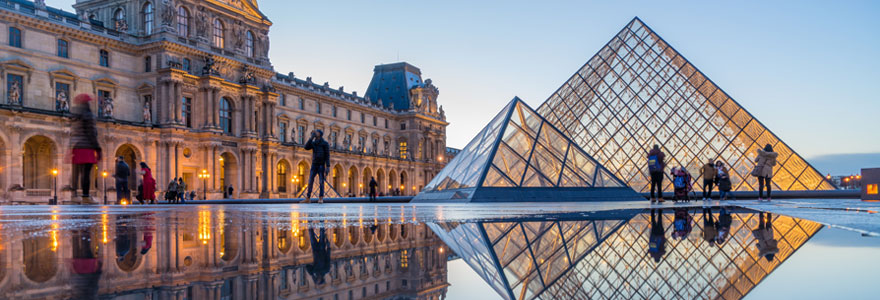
column 329, row 191
column 605, row 257
column 638, row 91
column 520, row 156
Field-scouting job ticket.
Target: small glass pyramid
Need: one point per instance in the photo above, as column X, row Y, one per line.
column 520, row 156
column 329, row 191
column 638, row 91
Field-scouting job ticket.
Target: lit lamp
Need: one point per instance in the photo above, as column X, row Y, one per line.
column 203, row 175
column 104, row 180
column 55, row 187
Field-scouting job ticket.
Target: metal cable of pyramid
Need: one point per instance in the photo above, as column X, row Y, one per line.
column 638, row 91
column 519, row 156
column 604, row 256
column 329, row 191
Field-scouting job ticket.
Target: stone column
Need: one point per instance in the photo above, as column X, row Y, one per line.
column 177, row 160
column 178, row 108
column 215, row 106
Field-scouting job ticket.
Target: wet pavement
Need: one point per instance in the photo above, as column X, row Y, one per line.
column 596, row 250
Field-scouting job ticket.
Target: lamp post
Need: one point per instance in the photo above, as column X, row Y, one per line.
column 204, row 176
column 104, row 179
column 55, row 187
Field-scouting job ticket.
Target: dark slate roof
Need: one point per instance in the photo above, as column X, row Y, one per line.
column 392, row 82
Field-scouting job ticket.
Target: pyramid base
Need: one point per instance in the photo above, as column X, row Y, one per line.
column 531, row 194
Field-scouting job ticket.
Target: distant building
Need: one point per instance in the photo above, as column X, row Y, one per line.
column 187, row 86
column 870, row 181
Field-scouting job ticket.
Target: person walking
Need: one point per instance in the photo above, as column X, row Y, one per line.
column 123, row 171
column 656, row 165
column 373, row 186
column 764, row 169
column 86, row 149
column 320, row 164
column 767, row 245
column 709, row 173
column 722, row 178
column 181, row 190
column 171, row 191
column 148, row 183
column 657, row 240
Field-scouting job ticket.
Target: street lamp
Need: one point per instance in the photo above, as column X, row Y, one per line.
column 104, row 179
column 204, row 176
column 55, row 187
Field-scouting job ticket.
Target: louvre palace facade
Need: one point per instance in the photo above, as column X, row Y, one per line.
column 188, row 88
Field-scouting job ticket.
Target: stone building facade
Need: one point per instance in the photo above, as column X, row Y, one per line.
column 188, row 87
column 209, row 254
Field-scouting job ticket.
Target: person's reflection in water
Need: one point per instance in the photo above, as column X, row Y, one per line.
column 657, row 240
column 709, row 231
column 767, row 244
column 123, row 237
column 320, row 265
column 86, row 266
column 723, row 225
column 683, row 223
column 148, row 233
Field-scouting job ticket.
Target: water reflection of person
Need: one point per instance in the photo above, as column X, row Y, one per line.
column 657, row 240
column 320, row 265
column 86, row 266
column 682, row 223
column 766, row 243
column 723, row 225
column 709, row 231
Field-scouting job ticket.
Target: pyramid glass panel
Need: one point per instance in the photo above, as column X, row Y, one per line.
column 520, row 156
column 329, row 191
column 638, row 91
column 606, row 256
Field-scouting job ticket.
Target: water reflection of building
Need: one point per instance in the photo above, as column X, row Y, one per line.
column 190, row 256
column 605, row 257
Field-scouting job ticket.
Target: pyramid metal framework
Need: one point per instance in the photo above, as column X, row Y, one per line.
column 638, row 91
column 520, row 156
column 329, row 191
column 606, row 259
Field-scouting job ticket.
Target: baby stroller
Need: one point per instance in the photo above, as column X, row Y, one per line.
column 681, row 181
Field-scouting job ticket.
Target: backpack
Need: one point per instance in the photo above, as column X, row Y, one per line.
column 680, row 225
column 680, row 181
column 654, row 164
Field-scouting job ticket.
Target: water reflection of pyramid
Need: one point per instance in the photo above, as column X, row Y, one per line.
column 329, row 191
column 520, row 156
column 638, row 91
column 606, row 259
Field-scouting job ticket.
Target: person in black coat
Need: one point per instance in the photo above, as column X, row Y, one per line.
column 123, row 171
column 320, row 163
column 373, row 186
column 320, row 265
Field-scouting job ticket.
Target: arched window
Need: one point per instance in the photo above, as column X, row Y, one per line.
column 282, row 176
column 148, row 18
column 182, row 21
column 225, row 115
column 249, row 44
column 218, row 34
column 15, row 37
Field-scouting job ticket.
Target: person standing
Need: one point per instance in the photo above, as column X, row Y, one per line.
column 767, row 245
column 86, row 150
column 229, row 191
column 320, row 163
column 709, row 230
column 123, row 171
column 656, row 165
column 181, row 190
column 171, row 191
column 764, row 169
column 709, row 173
column 657, row 240
column 148, row 183
column 321, row 251
column 373, row 186
column 722, row 178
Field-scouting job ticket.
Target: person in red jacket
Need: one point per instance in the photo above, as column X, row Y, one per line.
column 86, row 150
column 149, row 184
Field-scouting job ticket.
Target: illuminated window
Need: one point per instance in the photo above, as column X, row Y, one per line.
column 403, row 150
column 219, row 39
column 872, row 189
column 186, row 111
column 404, row 260
column 225, row 116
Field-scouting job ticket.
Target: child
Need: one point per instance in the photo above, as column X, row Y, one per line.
column 723, row 179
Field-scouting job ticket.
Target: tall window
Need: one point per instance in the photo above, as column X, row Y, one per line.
column 386, row 123
column 14, row 37
column 119, row 18
column 374, row 120
column 225, row 116
column 63, row 48
column 182, row 21
column 333, row 138
column 186, row 111
column 187, row 64
column 302, row 104
column 301, row 134
column 249, row 44
column 362, row 118
column 62, row 96
column 282, row 130
column 334, row 111
column 318, row 107
column 148, row 64
column 102, row 97
column 148, row 18
column 105, row 58
column 218, row 34
column 348, row 114
column 403, row 150
column 282, row 177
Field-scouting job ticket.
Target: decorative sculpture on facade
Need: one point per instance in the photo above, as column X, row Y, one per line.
column 107, row 107
column 148, row 112
column 14, row 94
column 238, row 34
column 167, row 12
column 209, row 69
column 61, row 102
column 121, row 25
column 201, row 22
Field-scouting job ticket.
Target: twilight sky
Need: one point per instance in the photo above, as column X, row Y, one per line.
column 806, row 69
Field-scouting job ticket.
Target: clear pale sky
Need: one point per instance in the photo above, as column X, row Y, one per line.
column 807, row 69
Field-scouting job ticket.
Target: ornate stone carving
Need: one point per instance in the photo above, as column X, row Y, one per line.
column 121, row 25
column 107, row 107
column 148, row 112
column 201, row 22
column 167, row 12
column 209, row 68
column 13, row 97
column 238, row 34
column 61, row 101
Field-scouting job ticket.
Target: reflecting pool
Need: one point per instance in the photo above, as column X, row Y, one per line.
column 466, row 251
